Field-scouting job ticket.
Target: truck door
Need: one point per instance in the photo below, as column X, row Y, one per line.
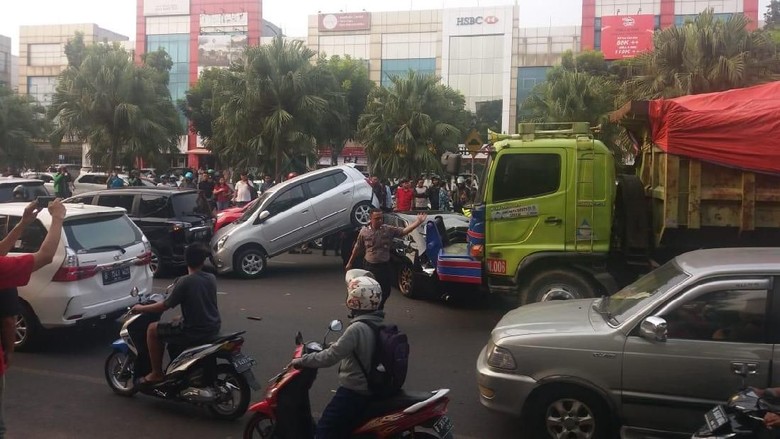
column 526, row 207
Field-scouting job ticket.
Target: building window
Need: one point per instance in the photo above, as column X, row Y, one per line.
column 46, row 55
column 476, row 67
column 400, row 67
column 42, row 88
column 680, row 20
column 178, row 48
column 527, row 79
column 597, row 34
column 4, row 64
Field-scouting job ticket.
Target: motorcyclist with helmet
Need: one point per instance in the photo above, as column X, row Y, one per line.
column 355, row 346
column 187, row 183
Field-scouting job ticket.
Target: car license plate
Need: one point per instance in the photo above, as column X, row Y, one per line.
column 242, row 362
column 443, row 427
column 116, row 275
column 497, row 266
column 716, row 418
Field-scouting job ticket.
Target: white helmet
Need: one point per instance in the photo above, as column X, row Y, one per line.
column 363, row 294
column 461, row 180
column 356, row 272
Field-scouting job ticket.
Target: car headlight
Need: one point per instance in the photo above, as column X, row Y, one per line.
column 221, row 242
column 500, row 358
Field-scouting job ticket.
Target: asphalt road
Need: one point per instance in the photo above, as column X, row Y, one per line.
column 60, row 391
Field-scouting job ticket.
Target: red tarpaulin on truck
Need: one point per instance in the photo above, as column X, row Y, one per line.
column 738, row 128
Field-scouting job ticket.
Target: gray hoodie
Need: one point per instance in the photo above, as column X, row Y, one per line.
column 357, row 339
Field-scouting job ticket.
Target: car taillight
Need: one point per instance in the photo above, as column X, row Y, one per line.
column 146, row 258
column 70, row 270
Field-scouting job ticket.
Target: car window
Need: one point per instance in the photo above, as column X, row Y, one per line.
column 100, row 232
column 87, row 179
column 36, row 190
column 118, row 200
column 85, row 199
column 155, row 206
column 32, row 236
column 290, row 198
column 519, row 176
column 730, row 315
column 321, row 185
column 339, row 177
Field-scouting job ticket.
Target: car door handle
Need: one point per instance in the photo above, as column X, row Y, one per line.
column 553, row 220
column 305, row 211
column 345, row 192
column 742, row 368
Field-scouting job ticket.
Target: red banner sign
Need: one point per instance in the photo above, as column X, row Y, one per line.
column 345, row 21
column 625, row 36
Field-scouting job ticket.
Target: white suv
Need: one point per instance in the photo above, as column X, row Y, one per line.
column 102, row 255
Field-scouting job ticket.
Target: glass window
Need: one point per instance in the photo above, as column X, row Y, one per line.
column 321, row 185
column 85, row 234
column 289, row 199
column 400, row 67
column 124, row 201
column 46, row 55
column 731, row 315
column 32, row 236
column 519, row 176
column 155, row 206
column 42, row 88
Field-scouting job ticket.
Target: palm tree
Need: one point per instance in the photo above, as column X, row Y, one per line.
column 20, row 123
column 119, row 108
column 269, row 107
column 571, row 96
column 704, row 55
column 408, row 125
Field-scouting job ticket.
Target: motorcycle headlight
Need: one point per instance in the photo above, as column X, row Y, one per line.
column 221, row 242
column 500, row 358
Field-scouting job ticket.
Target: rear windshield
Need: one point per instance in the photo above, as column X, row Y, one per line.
column 99, row 233
column 187, row 205
column 31, row 192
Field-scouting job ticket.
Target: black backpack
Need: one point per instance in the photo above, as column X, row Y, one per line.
column 252, row 191
column 389, row 362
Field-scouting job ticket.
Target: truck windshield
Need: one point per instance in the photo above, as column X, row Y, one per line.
column 484, row 182
column 630, row 299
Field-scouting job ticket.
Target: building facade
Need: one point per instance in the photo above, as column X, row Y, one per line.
column 197, row 34
column 6, row 62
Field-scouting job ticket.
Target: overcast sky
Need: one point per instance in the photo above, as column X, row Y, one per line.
column 291, row 15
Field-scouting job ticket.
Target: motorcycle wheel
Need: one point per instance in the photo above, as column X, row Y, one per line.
column 259, row 426
column 240, row 393
column 124, row 386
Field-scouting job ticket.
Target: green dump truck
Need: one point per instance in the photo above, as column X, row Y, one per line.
column 556, row 219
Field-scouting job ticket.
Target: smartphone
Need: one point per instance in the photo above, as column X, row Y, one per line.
column 43, row 202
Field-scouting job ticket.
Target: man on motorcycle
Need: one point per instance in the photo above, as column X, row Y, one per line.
column 355, row 346
column 197, row 295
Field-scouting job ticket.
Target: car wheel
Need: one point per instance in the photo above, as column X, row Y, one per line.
column 361, row 214
column 155, row 263
column 28, row 329
column 570, row 412
column 560, row 285
column 250, row 263
column 406, row 281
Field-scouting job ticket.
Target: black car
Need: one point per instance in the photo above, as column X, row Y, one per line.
column 414, row 272
column 32, row 189
column 170, row 219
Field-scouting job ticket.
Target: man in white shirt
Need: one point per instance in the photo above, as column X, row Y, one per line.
column 243, row 190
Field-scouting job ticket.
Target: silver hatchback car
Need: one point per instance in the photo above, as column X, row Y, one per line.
column 289, row 214
column 654, row 356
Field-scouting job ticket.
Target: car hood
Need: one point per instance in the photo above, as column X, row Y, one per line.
column 560, row 316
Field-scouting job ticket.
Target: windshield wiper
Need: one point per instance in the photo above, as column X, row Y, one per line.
column 603, row 309
column 104, row 247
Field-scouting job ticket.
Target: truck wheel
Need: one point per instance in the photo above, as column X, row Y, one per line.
column 560, row 285
column 570, row 412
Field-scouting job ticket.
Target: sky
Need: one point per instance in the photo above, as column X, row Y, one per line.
column 290, row 15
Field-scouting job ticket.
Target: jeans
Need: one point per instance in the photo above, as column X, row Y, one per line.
column 342, row 414
column 383, row 273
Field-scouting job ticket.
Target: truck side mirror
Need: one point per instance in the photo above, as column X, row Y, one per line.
column 654, row 329
column 451, row 163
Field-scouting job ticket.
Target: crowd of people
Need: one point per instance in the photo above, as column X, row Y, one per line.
column 435, row 195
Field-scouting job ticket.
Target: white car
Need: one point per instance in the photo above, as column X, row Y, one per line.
column 102, row 255
column 95, row 181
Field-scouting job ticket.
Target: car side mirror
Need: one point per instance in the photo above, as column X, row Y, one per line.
column 654, row 328
column 263, row 215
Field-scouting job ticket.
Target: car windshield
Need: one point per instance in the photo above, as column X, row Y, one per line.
column 625, row 302
column 98, row 233
column 254, row 206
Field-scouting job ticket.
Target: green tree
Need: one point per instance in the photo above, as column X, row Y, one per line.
column 704, row 55
column 407, row 126
column 772, row 15
column 122, row 110
column 348, row 85
column 21, row 121
column 269, row 108
column 488, row 117
column 198, row 104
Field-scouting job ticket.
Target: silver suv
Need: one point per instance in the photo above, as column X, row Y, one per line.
column 289, row 214
column 655, row 356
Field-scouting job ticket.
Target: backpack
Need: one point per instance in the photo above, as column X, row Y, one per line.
column 252, row 191
column 389, row 361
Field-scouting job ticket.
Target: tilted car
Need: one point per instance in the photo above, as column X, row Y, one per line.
column 291, row 213
column 414, row 271
column 102, row 256
column 170, row 219
column 653, row 357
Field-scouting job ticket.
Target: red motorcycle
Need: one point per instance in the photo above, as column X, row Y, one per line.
column 285, row 413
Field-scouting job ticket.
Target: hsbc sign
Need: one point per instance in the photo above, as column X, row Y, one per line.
column 471, row 21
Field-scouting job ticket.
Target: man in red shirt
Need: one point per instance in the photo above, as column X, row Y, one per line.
column 403, row 196
column 16, row 271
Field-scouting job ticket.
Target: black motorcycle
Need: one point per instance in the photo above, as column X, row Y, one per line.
column 741, row 417
column 214, row 374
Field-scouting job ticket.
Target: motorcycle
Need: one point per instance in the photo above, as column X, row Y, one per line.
column 741, row 417
column 214, row 374
column 285, row 413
